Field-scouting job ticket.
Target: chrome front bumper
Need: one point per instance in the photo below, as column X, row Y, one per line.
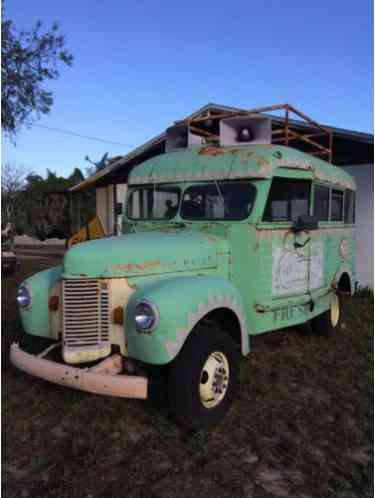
column 104, row 378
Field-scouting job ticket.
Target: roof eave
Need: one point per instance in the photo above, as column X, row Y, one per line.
column 342, row 132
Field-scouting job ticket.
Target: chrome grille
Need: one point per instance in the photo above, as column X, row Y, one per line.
column 104, row 315
column 85, row 314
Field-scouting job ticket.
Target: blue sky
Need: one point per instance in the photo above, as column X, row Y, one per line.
column 141, row 65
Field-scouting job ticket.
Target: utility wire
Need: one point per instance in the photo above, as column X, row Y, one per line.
column 73, row 133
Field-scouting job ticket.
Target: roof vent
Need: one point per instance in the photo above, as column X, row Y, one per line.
column 245, row 130
column 180, row 137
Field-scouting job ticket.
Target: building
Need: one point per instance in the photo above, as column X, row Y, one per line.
column 348, row 149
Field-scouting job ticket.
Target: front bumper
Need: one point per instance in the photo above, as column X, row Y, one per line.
column 94, row 380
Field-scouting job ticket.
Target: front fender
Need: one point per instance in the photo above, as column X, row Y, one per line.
column 35, row 320
column 182, row 303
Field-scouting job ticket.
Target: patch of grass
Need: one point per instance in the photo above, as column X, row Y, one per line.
column 302, row 422
column 364, row 292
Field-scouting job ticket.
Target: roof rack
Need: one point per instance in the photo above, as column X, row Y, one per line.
column 302, row 133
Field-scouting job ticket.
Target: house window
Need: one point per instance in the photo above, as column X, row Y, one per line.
column 288, row 199
column 349, row 214
column 321, row 202
column 337, row 205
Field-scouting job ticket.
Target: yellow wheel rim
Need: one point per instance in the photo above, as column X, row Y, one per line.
column 214, row 380
column 335, row 310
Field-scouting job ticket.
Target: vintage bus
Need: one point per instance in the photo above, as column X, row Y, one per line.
column 219, row 244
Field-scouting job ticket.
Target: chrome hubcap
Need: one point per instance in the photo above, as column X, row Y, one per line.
column 214, row 380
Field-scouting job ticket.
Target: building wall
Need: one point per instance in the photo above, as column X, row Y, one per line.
column 111, row 210
column 364, row 177
column 121, row 191
column 105, row 207
column 102, row 207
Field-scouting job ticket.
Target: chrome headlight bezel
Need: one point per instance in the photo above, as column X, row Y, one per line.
column 24, row 296
column 146, row 327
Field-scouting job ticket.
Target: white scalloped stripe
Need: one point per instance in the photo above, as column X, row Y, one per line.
column 214, row 302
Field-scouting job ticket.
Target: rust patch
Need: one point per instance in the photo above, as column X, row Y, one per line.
column 137, row 266
column 211, row 150
column 210, row 238
column 344, row 249
column 261, row 161
column 250, row 153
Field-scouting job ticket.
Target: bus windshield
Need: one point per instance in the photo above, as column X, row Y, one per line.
column 217, row 200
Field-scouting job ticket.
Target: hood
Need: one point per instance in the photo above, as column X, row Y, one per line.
column 144, row 254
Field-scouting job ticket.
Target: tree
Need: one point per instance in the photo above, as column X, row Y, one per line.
column 43, row 207
column 49, row 209
column 28, row 59
column 13, row 180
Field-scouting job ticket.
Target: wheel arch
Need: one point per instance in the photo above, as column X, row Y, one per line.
column 227, row 320
column 344, row 281
column 344, row 284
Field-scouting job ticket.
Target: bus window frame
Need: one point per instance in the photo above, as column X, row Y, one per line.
column 332, row 187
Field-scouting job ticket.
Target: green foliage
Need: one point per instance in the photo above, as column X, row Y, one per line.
column 28, row 59
column 32, row 213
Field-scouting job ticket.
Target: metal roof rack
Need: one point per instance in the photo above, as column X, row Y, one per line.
column 285, row 129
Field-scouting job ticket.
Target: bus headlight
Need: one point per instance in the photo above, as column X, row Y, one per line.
column 146, row 316
column 24, row 298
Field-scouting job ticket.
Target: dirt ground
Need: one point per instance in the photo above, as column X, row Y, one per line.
column 301, row 426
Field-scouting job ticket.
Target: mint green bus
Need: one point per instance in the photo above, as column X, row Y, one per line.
column 219, row 244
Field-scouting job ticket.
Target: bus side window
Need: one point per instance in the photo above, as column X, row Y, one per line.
column 321, row 202
column 349, row 209
column 287, row 200
column 337, row 205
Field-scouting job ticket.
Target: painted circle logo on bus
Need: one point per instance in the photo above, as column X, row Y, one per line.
column 291, row 271
column 344, row 249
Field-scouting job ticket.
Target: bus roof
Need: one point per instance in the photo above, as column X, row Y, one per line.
column 211, row 162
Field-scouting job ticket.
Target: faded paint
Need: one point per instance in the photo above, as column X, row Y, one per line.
column 212, row 150
column 143, row 253
column 120, row 292
column 55, row 317
column 214, row 302
column 112, row 365
column 135, row 266
column 123, row 386
column 264, row 273
column 218, row 163
column 297, row 271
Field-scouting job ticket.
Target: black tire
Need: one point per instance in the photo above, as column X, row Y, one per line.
column 186, row 378
column 328, row 322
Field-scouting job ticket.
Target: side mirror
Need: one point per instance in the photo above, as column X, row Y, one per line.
column 305, row 222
